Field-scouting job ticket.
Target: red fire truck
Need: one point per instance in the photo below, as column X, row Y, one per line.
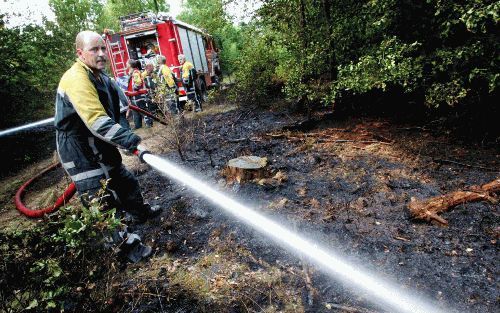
column 143, row 36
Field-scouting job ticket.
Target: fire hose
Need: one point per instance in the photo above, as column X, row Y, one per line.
column 68, row 193
column 144, row 112
column 63, row 199
column 71, row 189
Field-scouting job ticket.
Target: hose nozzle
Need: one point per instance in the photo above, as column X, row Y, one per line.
column 140, row 151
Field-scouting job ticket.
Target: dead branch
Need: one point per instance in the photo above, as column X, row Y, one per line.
column 401, row 238
column 349, row 309
column 237, row 140
column 428, row 209
column 312, row 292
column 302, row 137
column 358, row 141
column 441, row 161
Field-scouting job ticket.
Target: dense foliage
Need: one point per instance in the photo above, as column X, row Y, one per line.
column 32, row 61
column 441, row 51
column 211, row 16
column 36, row 56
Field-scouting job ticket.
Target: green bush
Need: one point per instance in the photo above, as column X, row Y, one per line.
column 53, row 265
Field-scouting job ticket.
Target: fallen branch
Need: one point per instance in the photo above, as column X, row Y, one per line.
column 236, row 140
column 428, row 209
column 349, row 309
column 311, row 291
column 325, row 140
column 402, row 238
column 466, row 165
column 358, row 141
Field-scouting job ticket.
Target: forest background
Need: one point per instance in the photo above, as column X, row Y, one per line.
column 433, row 57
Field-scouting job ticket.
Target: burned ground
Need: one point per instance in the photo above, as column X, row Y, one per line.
column 348, row 185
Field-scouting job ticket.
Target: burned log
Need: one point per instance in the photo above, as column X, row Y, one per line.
column 245, row 168
column 428, row 209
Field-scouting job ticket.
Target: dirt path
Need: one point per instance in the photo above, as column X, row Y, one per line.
column 349, row 184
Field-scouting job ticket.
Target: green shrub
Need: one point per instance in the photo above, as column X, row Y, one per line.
column 50, row 266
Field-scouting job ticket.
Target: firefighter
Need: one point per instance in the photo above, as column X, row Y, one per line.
column 137, row 93
column 88, row 134
column 147, row 77
column 189, row 76
column 168, row 85
column 124, row 102
column 150, row 84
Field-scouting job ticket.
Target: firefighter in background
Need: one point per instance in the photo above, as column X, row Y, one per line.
column 88, row 134
column 168, row 85
column 124, row 101
column 137, row 93
column 189, row 80
column 150, row 84
column 147, row 77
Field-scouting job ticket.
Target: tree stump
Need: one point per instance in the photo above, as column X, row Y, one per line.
column 245, row 168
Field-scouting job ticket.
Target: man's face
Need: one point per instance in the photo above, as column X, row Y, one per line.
column 181, row 60
column 94, row 53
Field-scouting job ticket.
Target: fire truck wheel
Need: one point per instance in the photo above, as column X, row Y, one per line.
column 203, row 90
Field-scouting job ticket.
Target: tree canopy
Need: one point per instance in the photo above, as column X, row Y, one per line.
column 440, row 53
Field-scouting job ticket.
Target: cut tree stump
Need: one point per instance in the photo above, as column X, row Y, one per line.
column 245, row 168
column 428, row 209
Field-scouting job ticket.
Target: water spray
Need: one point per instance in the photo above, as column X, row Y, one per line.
column 380, row 290
column 50, row 120
column 14, row 130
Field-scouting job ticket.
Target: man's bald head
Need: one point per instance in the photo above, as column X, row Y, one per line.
column 84, row 37
column 91, row 50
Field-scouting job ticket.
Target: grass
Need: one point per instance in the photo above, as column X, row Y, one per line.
column 223, row 278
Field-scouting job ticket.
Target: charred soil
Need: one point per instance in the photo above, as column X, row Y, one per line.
column 348, row 186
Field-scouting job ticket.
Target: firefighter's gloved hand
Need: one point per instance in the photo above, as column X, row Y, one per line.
column 185, row 81
column 141, row 151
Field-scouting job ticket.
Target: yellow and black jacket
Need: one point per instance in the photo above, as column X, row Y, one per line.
column 87, row 126
column 166, row 75
column 188, row 74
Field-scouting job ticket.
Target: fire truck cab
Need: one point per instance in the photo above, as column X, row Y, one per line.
column 144, row 36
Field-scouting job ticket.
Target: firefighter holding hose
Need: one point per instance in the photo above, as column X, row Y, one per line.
column 88, row 133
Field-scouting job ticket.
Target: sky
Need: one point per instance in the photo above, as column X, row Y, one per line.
column 24, row 11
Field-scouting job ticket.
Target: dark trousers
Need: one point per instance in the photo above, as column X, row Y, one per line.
column 122, row 192
column 141, row 102
column 123, row 120
column 193, row 95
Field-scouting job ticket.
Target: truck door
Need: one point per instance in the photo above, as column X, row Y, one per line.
column 191, row 47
